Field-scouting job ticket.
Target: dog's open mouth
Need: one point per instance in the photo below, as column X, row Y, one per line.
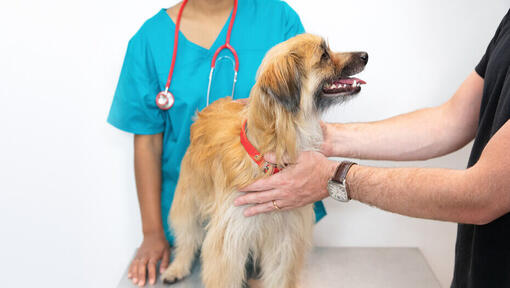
column 343, row 86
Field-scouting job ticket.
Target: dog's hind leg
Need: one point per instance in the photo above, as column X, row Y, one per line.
column 283, row 254
column 281, row 263
column 225, row 251
column 187, row 227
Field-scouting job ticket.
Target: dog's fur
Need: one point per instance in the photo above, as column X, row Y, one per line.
column 282, row 117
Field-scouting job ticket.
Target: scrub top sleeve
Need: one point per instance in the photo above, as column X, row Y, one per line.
column 134, row 106
column 293, row 24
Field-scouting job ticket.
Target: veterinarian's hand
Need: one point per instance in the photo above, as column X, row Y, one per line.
column 154, row 248
column 295, row 186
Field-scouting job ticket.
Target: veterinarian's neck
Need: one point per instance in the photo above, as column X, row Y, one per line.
column 211, row 6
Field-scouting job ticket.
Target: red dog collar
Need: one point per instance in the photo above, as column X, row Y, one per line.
column 269, row 168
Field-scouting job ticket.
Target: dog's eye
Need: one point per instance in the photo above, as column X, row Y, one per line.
column 325, row 56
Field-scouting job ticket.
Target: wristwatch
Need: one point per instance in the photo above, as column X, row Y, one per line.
column 337, row 187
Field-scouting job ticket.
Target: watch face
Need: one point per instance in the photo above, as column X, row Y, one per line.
column 337, row 191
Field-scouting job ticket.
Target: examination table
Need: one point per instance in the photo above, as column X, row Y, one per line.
column 346, row 267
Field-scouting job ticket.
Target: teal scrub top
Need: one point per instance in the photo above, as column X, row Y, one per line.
column 259, row 25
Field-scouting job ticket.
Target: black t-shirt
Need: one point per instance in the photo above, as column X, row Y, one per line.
column 482, row 253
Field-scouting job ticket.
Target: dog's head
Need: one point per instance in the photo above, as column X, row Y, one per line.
column 304, row 76
column 297, row 80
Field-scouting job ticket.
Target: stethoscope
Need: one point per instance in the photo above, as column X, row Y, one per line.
column 165, row 100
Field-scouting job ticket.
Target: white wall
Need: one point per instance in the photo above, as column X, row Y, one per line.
column 68, row 208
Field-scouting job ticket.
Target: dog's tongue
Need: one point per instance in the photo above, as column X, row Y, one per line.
column 350, row 81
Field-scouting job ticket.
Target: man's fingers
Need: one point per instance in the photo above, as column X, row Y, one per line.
column 261, row 208
column 263, row 184
column 260, row 185
column 164, row 261
column 323, row 126
column 257, row 197
column 142, row 271
column 243, row 101
column 270, row 157
column 151, row 267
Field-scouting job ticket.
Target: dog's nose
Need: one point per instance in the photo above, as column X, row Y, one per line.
column 364, row 57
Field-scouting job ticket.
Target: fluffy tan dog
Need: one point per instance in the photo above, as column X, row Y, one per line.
column 297, row 80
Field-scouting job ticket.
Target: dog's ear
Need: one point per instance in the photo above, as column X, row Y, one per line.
column 281, row 79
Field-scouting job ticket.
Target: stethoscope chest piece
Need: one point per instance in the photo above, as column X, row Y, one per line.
column 165, row 100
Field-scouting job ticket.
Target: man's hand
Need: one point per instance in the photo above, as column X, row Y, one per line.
column 295, row 186
column 243, row 101
column 327, row 146
column 154, row 248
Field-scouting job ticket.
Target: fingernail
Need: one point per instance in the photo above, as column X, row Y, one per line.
column 236, row 203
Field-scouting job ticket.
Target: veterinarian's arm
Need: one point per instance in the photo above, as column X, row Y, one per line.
column 418, row 135
column 148, row 183
column 477, row 195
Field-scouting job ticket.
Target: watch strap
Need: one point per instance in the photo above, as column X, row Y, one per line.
column 341, row 171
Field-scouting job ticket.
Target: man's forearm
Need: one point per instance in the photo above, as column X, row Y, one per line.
column 476, row 195
column 405, row 137
column 440, row 194
column 419, row 135
column 148, row 181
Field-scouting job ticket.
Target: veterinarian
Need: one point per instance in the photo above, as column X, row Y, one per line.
column 478, row 198
column 162, row 136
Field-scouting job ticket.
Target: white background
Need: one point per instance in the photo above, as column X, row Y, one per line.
column 68, row 207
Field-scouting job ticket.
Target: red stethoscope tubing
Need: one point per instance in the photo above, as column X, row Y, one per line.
column 176, row 44
column 227, row 41
column 164, row 99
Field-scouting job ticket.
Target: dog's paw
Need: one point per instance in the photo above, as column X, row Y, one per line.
column 174, row 273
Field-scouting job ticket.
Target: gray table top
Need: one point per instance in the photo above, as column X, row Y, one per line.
column 346, row 267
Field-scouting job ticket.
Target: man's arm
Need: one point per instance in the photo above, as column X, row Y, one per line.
column 154, row 247
column 477, row 195
column 418, row 135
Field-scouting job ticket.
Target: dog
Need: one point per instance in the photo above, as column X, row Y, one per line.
column 296, row 82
